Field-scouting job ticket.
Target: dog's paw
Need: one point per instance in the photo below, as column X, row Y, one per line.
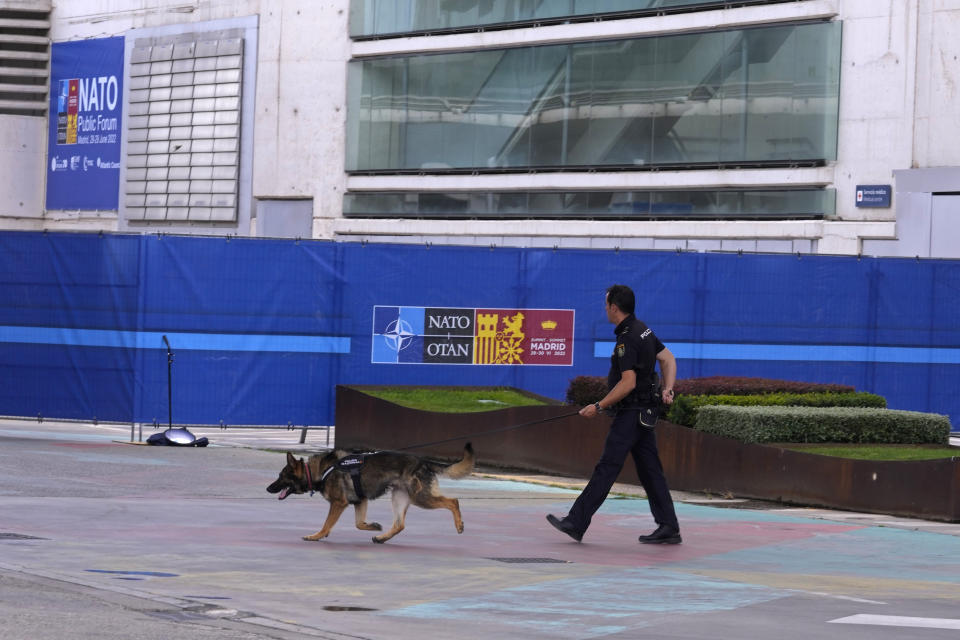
column 314, row 537
column 378, row 539
column 460, row 529
column 375, row 526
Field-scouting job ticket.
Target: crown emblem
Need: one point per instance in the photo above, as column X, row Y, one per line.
column 549, row 325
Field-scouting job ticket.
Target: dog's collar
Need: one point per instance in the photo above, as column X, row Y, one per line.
column 323, row 477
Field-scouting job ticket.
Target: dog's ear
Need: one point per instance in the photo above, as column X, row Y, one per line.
column 290, row 459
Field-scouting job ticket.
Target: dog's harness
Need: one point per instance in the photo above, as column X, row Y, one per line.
column 352, row 464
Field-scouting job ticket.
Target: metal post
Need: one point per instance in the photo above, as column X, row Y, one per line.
column 169, row 383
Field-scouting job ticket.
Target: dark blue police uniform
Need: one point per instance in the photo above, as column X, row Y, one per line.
column 637, row 349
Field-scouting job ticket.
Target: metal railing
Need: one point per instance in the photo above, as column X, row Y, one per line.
column 136, row 428
column 223, row 427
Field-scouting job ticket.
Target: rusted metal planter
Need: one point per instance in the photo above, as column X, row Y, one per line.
column 693, row 461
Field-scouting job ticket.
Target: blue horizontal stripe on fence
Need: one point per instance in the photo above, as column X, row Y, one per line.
column 803, row 353
column 188, row 341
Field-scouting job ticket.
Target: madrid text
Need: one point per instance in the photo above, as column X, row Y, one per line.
column 551, row 347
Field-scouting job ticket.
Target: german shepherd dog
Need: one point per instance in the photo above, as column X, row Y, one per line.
column 411, row 479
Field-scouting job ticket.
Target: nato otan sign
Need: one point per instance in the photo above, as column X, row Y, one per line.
column 86, row 104
column 446, row 335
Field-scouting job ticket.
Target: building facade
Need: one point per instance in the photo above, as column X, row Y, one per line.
column 812, row 126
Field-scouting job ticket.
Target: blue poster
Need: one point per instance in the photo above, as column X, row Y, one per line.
column 86, row 101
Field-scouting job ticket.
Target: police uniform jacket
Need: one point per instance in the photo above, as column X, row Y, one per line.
column 637, row 349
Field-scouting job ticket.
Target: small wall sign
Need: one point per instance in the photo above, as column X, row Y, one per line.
column 874, row 195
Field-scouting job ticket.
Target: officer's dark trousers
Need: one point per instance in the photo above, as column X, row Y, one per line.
column 626, row 436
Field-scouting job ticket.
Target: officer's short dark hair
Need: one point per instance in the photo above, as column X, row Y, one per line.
column 622, row 296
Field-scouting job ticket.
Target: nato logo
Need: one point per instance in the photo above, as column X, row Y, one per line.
column 397, row 335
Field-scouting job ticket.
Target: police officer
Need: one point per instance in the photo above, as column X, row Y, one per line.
column 633, row 396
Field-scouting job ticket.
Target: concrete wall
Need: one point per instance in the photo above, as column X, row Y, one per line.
column 301, row 96
column 876, row 99
column 22, row 156
column 937, row 125
column 898, row 110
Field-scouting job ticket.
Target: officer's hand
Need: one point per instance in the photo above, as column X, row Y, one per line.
column 668, row 396
column 589, row 411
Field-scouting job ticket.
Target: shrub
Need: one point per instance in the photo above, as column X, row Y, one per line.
column 684, row 408
column 584, row 390
column 824, row 424
column 741, row 386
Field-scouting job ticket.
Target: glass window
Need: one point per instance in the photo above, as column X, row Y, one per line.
column 729, row 204
column 764, row 96
column 385, row 18
column 686, row 126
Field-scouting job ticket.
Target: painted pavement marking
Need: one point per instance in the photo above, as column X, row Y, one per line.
column 841, row 597
column 590, row 606
column 899, row 621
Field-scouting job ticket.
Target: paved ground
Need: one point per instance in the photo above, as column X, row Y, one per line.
column 101, row 539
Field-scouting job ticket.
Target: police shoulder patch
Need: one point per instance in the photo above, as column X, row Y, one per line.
column 621, row 350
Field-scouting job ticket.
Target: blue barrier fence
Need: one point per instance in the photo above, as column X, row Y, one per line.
column 263, row 330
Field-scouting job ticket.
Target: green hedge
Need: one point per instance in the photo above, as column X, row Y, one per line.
column 584, row 390
column 743, row 386
column 824, row 424
column 684, row 408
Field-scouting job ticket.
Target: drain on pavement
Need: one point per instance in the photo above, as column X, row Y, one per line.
column 338, row 608
column 529, row 560
column 17, row 536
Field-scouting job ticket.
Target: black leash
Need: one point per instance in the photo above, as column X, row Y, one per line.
column 484, row 433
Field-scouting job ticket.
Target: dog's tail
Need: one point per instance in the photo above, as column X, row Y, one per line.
column 464, row 467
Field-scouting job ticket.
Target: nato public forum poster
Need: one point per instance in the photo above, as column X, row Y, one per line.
column 85, row 122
